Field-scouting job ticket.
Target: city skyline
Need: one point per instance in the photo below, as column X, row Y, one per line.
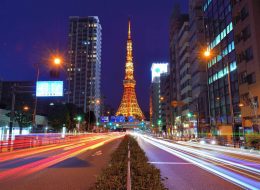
column 39, row 33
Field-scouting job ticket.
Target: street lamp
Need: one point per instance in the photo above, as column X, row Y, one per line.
column 207, row 53
column 25, row 108
column 57, row 61
column 161, row 98
column 79, row 118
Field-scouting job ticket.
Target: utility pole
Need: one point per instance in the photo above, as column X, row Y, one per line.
column 11, row 118
column 35, row 103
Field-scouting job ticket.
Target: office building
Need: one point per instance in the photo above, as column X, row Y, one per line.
column 222, row 69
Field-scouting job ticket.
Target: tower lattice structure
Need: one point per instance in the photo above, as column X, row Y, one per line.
column 129, row 105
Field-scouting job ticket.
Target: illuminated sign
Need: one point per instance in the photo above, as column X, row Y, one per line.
column 104, row 119
column 158, row 68
column 49, row 88
column 120, row 119
column 131, row 119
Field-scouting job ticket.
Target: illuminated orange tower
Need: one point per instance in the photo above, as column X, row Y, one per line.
column 129, row 105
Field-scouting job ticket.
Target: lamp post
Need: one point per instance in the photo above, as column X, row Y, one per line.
column 54, row 61
column 207, row 55
column 79, row 118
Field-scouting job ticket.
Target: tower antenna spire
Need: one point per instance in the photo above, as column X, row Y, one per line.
column 129, row 28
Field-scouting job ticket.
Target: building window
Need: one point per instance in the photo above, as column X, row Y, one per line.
column 243, row 77
column 244, row 13
column 246, row 33
column 249, row 54
column 251, row 78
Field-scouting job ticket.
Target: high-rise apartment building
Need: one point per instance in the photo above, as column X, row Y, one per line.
column 84, row 63
column 247, row 42
column 222, row 68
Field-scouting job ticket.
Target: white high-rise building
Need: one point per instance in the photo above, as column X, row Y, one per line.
column 84, row 63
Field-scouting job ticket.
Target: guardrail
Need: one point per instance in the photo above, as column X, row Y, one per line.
column 37, row 140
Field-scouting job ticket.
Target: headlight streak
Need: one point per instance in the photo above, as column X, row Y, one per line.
column 208, row 155
column 222, row 149
column 31, row 151
column 241, row 158
column 223, row 173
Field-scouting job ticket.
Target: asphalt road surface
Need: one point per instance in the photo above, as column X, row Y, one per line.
column 68, row 166
column 186, row 166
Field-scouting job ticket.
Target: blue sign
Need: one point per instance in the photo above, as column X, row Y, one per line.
column 113, row 119
column 120, row 119
column 104, row 119
column 131, row 119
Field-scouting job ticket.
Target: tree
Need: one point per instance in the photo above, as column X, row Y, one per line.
column 73, row 111
column 90, row 119
column 24, row 119
column 59, row 115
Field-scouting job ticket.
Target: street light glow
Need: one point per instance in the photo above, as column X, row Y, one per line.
column 57, row 61
column 207, row 53
column 25, row 108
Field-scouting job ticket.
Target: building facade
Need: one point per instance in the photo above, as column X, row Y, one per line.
column 84, row 63
column 223, row 86
column 158, row 95
column 197, row 42
column 177, row 21
column 247, row 42
column 165, row 101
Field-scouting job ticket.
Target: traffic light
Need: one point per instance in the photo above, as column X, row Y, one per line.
column 79, row 118
column 189, row 115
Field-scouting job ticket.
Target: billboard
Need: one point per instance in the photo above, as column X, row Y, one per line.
column 49, row 88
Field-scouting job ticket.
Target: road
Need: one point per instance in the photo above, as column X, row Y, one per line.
column 71, row 165
column 194, row 166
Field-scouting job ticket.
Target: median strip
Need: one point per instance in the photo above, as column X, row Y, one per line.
column 143, row 174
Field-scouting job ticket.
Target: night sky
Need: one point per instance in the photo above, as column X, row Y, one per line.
column 32, row 29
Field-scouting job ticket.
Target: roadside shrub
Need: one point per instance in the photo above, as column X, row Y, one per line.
column 144, row 176
column 253, row 140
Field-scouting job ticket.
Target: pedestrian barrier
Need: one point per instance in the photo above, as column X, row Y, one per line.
column 36, row 140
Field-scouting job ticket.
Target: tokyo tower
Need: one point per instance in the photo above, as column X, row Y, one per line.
column 129, row 105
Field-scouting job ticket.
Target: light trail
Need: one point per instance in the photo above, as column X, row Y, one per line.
column 36, row 150
column 224, row 149
column 208, row 155
column 44, row 163
column 231, row 176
